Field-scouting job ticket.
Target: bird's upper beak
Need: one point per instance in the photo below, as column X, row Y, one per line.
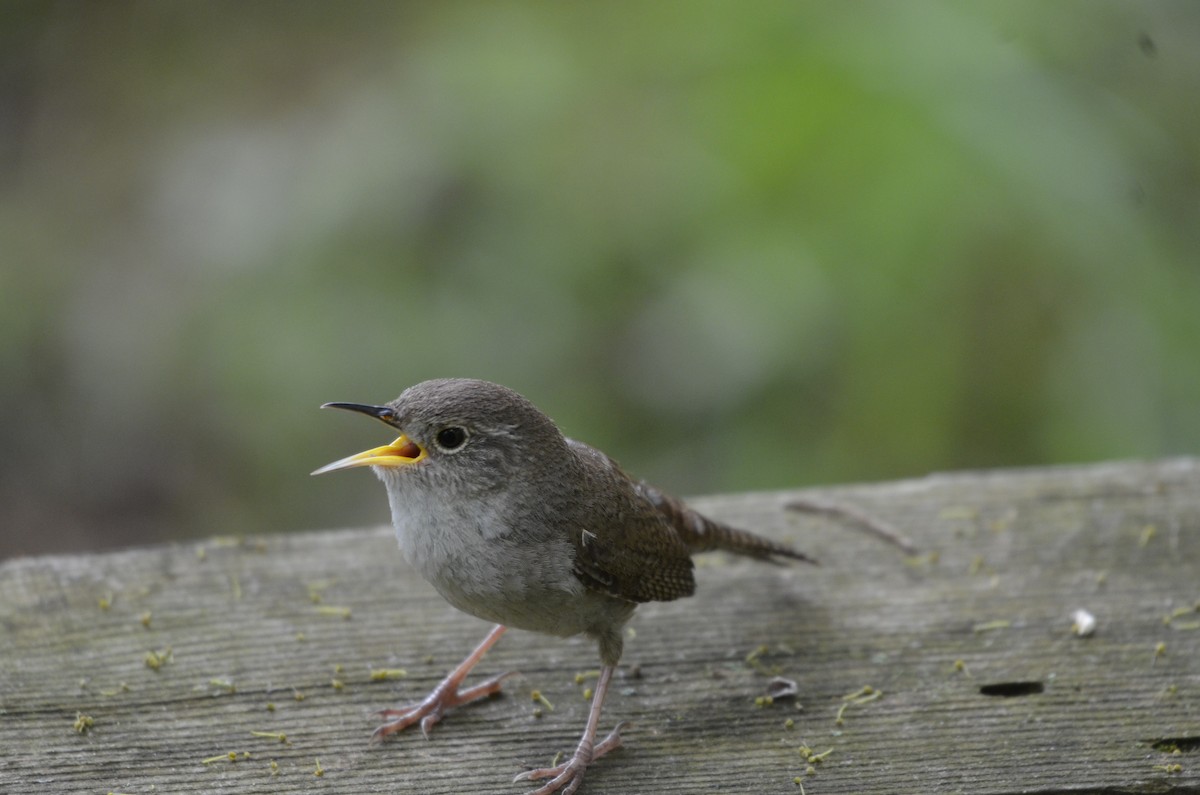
column 402, row 452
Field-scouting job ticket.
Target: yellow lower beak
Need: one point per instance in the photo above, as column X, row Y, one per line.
column 402, row 452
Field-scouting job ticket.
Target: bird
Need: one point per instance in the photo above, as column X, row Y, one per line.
column 516, row 524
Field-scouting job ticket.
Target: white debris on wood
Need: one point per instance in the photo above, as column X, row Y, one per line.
column 782, row 688
column 1084, row 623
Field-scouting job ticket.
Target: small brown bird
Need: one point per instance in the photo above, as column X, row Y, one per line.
column 516, row 524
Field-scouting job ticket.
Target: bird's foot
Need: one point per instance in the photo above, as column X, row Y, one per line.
column 443, row 698
column 566, row 778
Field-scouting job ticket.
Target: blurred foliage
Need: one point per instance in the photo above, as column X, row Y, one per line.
column 738, row 246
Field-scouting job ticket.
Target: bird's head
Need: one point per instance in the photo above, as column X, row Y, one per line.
column 462, row 436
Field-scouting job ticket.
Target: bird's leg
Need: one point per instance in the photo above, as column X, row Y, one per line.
column 567, row 777
column 445, row 696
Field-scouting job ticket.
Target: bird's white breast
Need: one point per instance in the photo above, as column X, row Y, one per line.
column 469, row 552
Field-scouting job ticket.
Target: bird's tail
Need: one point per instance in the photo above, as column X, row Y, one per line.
column 701, row 534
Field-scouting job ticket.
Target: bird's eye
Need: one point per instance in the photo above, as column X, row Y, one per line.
column 452, row 438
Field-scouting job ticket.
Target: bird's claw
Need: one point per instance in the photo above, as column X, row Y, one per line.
column 566, row 777
column 430, row 711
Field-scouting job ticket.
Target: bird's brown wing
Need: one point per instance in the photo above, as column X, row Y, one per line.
column 626, row 548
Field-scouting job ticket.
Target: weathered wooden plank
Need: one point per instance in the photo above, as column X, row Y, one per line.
column 1025, row 548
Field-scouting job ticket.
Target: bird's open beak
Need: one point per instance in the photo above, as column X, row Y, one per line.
column 402, row 452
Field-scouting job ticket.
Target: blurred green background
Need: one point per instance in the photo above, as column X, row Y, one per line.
column 736, row 245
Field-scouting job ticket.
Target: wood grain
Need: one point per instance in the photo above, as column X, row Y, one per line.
column 252, row 650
